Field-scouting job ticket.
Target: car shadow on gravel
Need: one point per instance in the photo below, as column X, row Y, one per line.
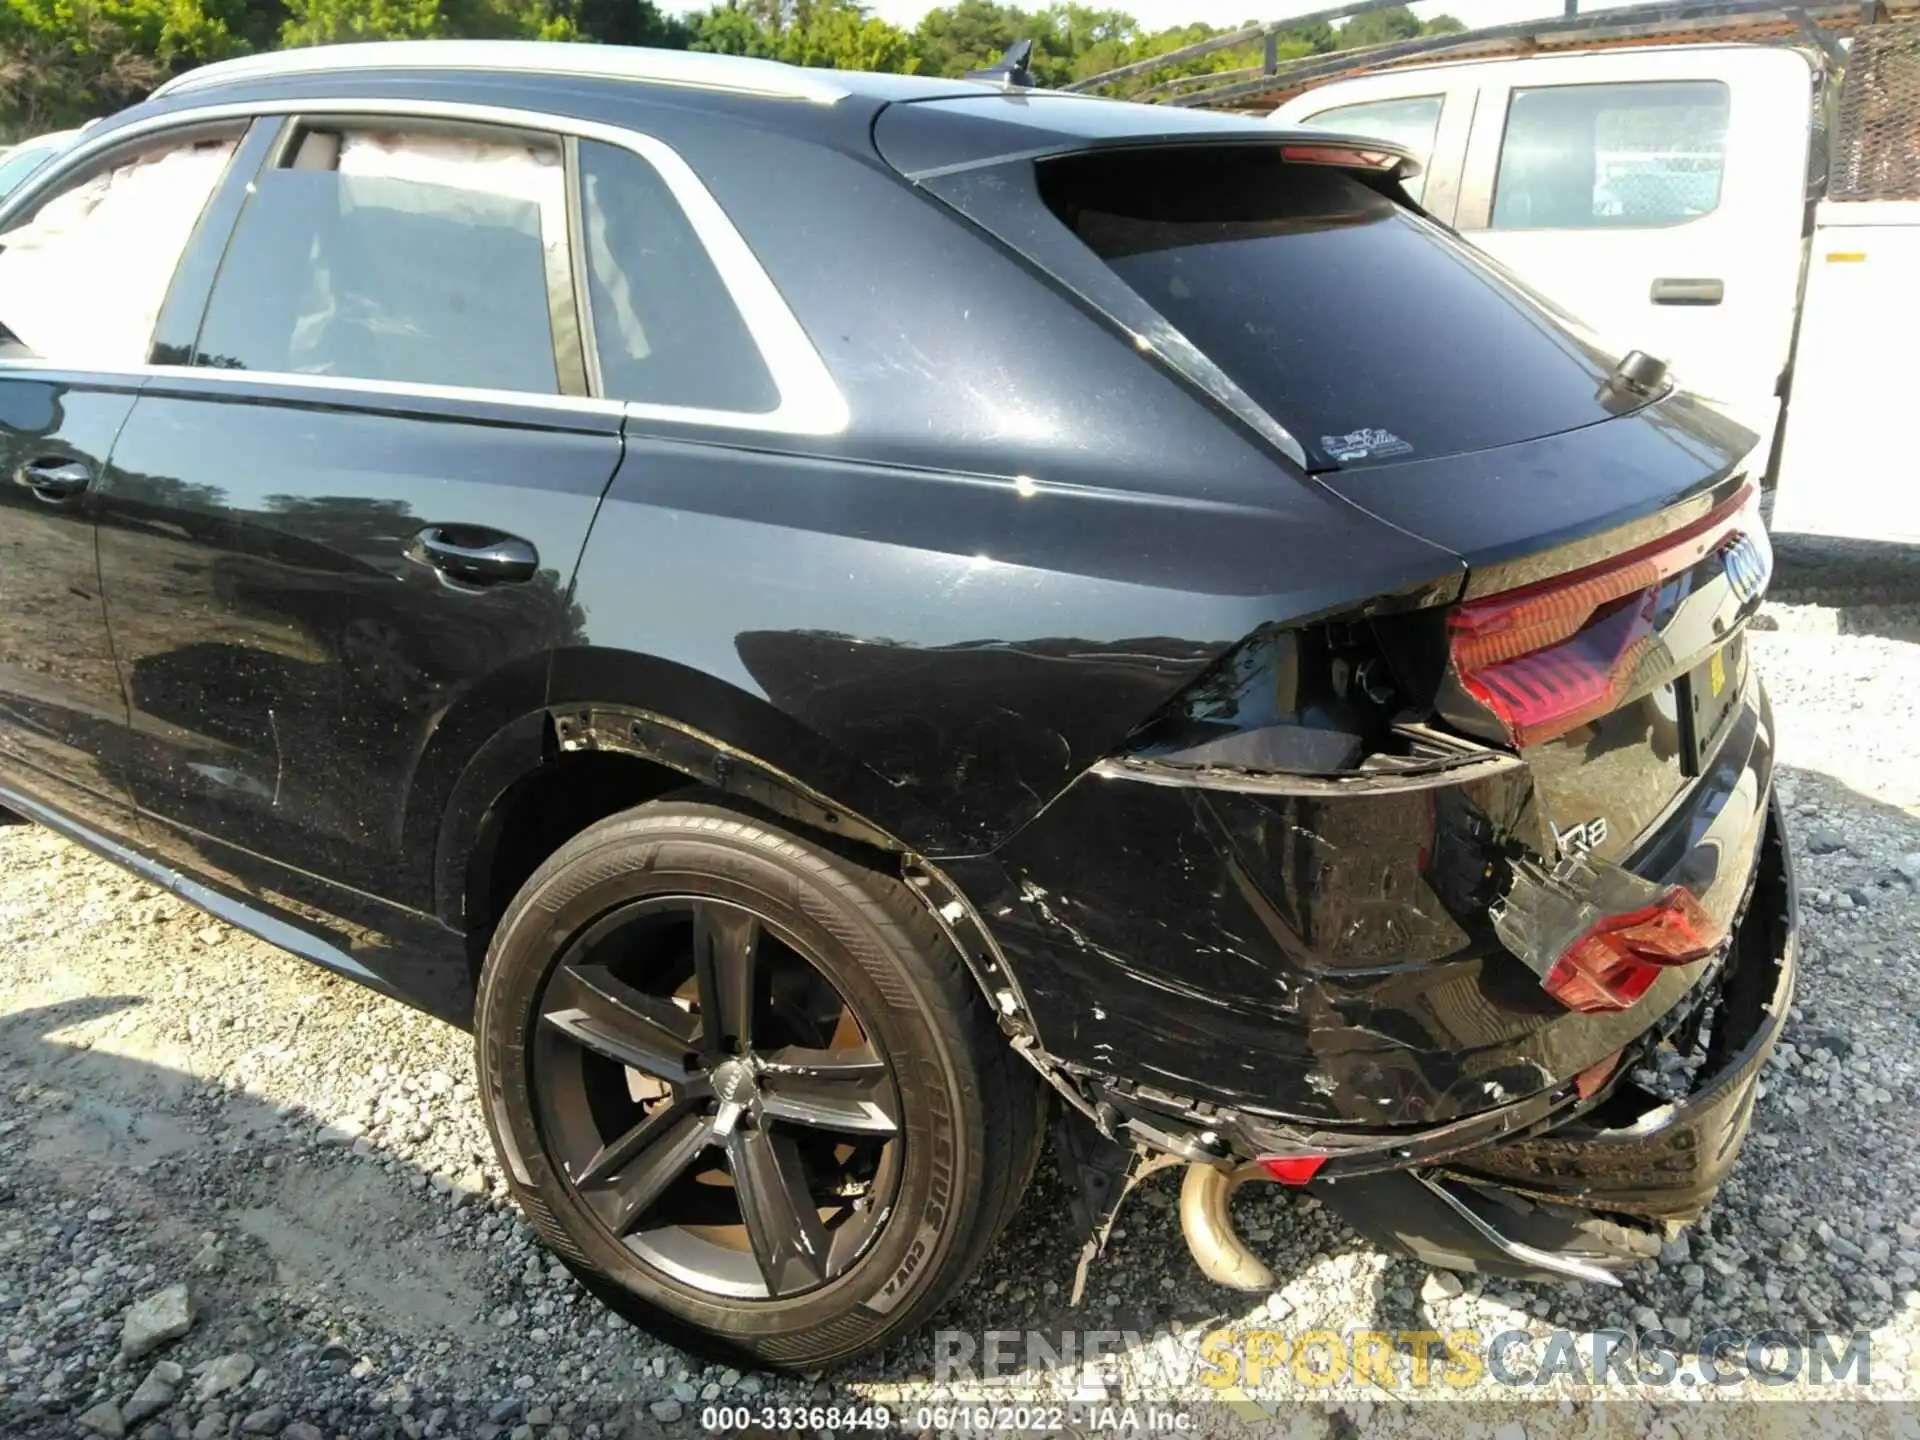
column 307, row 1258
column 1857, row 587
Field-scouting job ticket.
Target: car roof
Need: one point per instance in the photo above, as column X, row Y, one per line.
column 52, row 139
column 736, row 74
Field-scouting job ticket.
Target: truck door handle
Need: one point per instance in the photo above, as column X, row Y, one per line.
column 488, row 558
column 54, row 477
column 1688, row 292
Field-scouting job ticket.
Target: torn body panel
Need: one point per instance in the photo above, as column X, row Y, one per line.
column 1601, row 1191
column 1579, row 1181
column 1663, row 1155
column 1328, row 953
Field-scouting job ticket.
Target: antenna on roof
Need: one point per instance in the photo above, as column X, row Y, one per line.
column 1011, row 69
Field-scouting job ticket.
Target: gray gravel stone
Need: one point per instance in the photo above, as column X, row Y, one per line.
column 265, row 1421
column 152, row 1396
column 666, row 1411
column 104, row 1419
column 154, row 1320
column 226, row 1374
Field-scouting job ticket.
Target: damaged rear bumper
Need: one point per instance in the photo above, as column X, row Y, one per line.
column 1313, row 973
column 1600, row 1192
column 1303, row 966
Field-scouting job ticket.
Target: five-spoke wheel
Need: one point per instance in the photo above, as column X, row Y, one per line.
column 745, row 1087
column 713, row 1098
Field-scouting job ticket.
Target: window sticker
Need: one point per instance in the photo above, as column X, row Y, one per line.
column 1367, row 444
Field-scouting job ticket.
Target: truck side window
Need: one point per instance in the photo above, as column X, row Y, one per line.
column 1412, row 122
column 1589, row 157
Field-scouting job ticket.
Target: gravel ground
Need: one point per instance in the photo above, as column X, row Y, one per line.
column 276, row 1189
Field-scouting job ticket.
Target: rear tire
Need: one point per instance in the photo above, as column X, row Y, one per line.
column 854, row 1076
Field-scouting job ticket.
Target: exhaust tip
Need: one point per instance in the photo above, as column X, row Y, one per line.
column 1206, row 1219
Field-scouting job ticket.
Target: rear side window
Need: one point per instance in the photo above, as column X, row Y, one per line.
column 666, row 328
column 396, row 257
column 1367, row 331
column 1412, row 122
column 82, row 278
column 1594, row 157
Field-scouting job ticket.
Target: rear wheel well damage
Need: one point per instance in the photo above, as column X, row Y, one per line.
column 539, row 813
column 598, row 761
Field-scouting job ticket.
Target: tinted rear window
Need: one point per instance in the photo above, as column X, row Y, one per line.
column 1368, row 332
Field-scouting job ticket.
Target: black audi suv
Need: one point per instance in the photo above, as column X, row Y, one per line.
column 830, row 618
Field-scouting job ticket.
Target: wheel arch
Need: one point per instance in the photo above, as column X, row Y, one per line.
column 524, row 785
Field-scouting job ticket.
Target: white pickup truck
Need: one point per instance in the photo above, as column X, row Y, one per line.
column 1680, row 200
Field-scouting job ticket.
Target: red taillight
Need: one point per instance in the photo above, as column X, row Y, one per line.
column 1552, row 656
column 1349, row 157
column 1617, row 960
column 1292, row 1169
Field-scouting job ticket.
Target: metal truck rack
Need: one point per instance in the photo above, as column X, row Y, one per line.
column 1668, row 22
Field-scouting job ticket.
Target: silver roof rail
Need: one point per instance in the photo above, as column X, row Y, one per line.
column 610, row 62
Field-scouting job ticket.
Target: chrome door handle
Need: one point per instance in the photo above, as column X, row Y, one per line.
column 496, row 560
column 54, row 477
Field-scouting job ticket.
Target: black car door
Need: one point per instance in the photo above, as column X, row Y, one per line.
column 85, row 261
column 341, row 518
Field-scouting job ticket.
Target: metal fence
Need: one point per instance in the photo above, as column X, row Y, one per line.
column 1876, row 138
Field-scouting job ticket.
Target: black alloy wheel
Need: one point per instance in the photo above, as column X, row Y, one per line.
column 713, row 1099
column 744, row 1086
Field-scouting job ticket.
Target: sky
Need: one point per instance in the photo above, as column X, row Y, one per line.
column 1162, row 14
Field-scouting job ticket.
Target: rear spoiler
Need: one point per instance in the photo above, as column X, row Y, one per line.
column 923, row 139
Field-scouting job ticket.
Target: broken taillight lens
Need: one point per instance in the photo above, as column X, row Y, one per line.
column 1549, row 657
column 1619, row 957
column 1292, row 1169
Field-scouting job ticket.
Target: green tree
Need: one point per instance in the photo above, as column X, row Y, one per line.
column 627, row 22
column 731, row 30
column 1383, row 27
column 62, row 61
column 328, row 22
column 509, row 19
column 1108, row 52
column 845, row 36
column 325, row 22
column 973, row 35
column 839, row 34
